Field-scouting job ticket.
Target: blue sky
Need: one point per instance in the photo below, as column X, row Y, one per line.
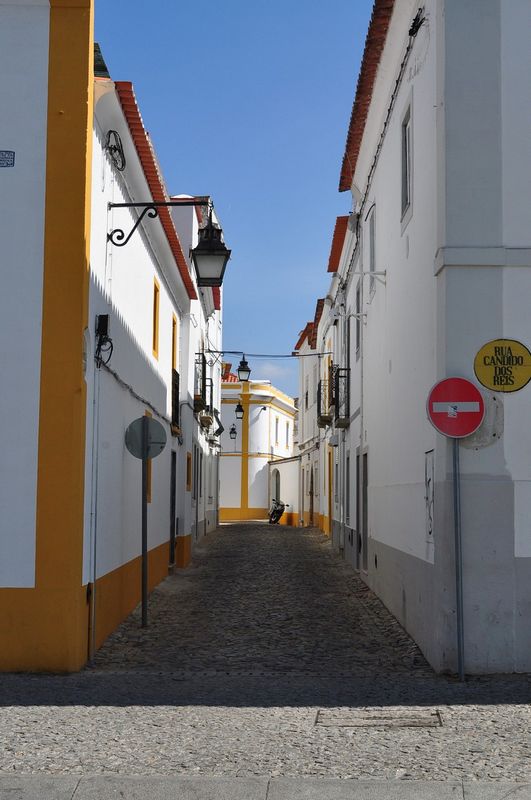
column 250, row 102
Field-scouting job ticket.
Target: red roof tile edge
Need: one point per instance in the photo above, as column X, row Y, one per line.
column 216, row 296
column 318, row 314
column 306, row 333
column 374, row 45
column 143, row 147
column 338, row 240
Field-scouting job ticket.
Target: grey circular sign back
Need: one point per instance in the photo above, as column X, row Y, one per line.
column 156, row 437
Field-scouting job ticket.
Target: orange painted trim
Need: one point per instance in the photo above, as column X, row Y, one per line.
column 240, row 514
column 244, row 484
column 290, row 519
column 183, row 550
column 46, row 628
column 119, row 592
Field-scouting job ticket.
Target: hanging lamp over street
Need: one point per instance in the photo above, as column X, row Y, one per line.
column 232, row 432
column 244, row 370
column 210, row 256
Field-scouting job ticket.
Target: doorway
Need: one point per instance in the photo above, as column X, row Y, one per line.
column 364, row 512
column 173, row 497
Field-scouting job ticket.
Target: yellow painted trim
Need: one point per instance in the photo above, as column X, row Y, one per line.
column 244, row 489
column 290, row 519
column 264, row 387
column 156, row 315
column 183, row 550
column 119, row 592
column 239, row 514
column 238, row 454
column 46, row 628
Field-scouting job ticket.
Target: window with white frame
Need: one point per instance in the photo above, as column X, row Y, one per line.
column 372, row 251
column 358, row 320
column 406, row 162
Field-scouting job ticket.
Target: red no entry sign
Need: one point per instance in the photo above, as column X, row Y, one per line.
column 455, row 407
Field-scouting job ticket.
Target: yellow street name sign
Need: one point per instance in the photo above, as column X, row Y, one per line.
column 503, row 365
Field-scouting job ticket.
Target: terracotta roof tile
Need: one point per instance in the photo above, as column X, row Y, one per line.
column 338, row 240
column 146, row 155
column 304, row 334
column 374, row 45
column 315, row 324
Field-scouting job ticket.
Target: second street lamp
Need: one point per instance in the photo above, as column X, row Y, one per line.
column 210, row 256
column 239, row 411
column 232, row 432
column 244, row 370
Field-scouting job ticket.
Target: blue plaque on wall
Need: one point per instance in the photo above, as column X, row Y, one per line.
column 7, row 158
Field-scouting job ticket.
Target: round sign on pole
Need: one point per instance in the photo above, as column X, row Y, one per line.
column 156, row 438
column 503, row 365
column 455, row 407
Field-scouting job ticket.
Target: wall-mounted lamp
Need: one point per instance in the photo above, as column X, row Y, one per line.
column 209, row 257
column 233, row 432
column 239, row 411
column 244, row 370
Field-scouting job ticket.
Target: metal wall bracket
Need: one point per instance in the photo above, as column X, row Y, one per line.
column 151, row 209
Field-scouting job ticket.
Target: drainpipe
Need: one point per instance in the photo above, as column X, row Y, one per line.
column 94, row 509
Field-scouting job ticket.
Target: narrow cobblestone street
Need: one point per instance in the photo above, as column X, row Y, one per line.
column 255, row 660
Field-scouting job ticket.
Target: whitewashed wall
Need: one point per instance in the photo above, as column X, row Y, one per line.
column 24, row 31
column 122, row 283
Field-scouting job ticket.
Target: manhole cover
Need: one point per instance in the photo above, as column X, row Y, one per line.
column 380, row 718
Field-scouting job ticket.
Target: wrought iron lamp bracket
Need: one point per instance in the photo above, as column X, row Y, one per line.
column 118, row 236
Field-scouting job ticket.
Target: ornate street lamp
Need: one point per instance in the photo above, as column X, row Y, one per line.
column 233, row 432
column 244, row 370
column 239, row 411
column 210, row 256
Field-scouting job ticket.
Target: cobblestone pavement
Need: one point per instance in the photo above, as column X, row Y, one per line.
column 254, row 661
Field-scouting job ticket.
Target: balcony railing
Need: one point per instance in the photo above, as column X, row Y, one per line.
column 342, row 397
column 324, row 404
column 206, row 415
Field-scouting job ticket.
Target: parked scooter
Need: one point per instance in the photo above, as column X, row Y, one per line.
column 276, row 511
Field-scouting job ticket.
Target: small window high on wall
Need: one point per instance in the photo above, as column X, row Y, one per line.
column 406, row 162
column 156, row 308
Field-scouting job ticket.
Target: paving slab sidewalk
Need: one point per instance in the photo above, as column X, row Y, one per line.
column 122, row 787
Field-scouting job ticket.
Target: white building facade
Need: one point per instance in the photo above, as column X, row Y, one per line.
column 262, row 436
column 432, row 263
column 117, row 333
